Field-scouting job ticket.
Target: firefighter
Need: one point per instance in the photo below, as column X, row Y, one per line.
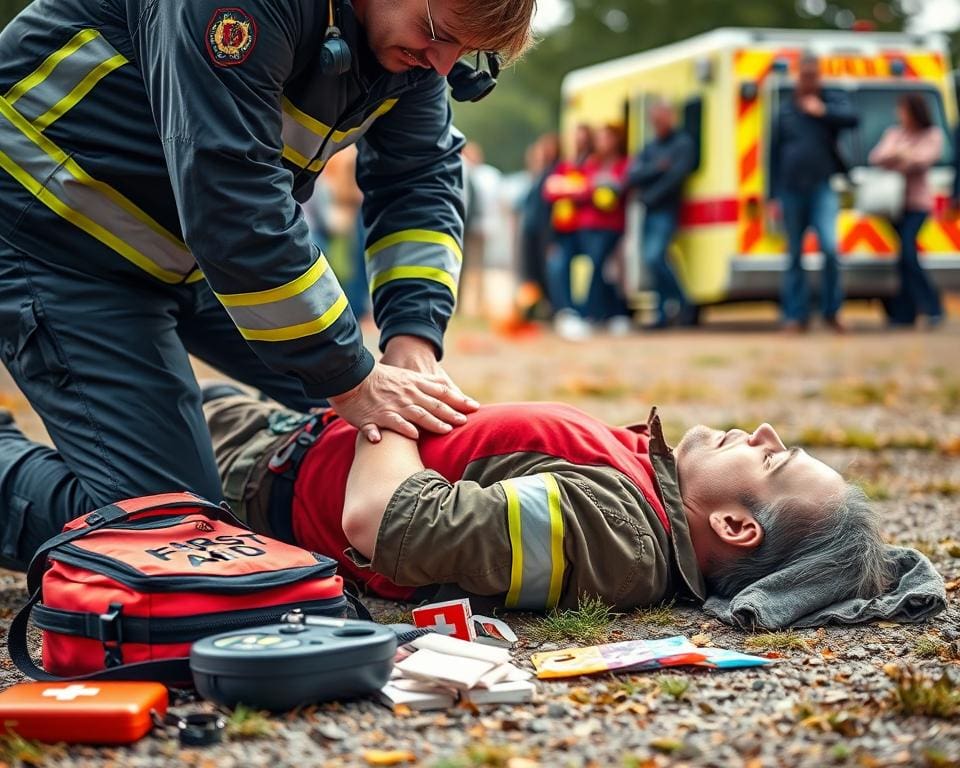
column 152, row 155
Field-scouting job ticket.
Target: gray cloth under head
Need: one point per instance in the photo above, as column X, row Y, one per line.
column 776, row 601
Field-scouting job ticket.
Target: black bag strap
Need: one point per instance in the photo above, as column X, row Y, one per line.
column 169, row 671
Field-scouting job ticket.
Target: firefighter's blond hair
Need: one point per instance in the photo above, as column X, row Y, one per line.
column 499, row 26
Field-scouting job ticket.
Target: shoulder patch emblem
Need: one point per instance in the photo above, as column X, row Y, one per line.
column 231, row 35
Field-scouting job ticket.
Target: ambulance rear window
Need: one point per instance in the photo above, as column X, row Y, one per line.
column 877, row 107
column 878, row 111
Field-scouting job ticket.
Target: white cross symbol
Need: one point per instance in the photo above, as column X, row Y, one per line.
column 441, row 626
column 70, row 692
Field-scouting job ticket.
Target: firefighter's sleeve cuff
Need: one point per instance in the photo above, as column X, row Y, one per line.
column 398, row 551
column 420, row 328
column 344, row 381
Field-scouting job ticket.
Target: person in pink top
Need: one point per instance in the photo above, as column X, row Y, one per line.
column 910, row 147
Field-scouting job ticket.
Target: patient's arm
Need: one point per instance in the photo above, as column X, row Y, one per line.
column 378, row 470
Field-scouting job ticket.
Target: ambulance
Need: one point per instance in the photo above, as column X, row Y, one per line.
column 727, row 86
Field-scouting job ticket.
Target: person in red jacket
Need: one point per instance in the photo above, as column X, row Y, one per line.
column 535, row 504
column 566, row 191
column 603, row 220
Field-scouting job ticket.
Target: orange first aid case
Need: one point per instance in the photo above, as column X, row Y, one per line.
column 84, row 713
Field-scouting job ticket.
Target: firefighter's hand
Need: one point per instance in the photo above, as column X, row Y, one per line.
column 401, row 400
column 774, row 209
column 416, row 354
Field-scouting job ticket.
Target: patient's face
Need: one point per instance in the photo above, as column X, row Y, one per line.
column 719, row 469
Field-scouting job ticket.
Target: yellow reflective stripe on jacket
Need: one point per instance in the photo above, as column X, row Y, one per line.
column 535, row 527
column 64, row 78
column 415, row 254
column 303, row 135
column 99, row 210
column 306, row 305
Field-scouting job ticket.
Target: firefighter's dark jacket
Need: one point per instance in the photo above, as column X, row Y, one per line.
column 174, row 137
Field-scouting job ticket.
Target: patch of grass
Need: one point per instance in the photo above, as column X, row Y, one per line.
column 599, row 387
column 247, row 723
column 16, row 750
column 666, row 745
column 917, row 694
column 860, row 392
column 776, row 641
column 924, row 547
column 818, row 437
column 840, row 753
column 932, row 647
column 937, row 758
column 656, row 615
column 394, row 616
column 939, row 487
column 684, row 391
column 876, row 490
column 480, row 756
column 587, row 624
column 708, row 360
column 949, row 395
column 929, row 647
column 674, row 687
column 845, row 722
column 759, row 389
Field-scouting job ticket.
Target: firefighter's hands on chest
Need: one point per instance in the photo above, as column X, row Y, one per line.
column 403, row 400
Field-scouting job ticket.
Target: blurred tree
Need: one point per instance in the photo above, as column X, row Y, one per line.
column 527, row 100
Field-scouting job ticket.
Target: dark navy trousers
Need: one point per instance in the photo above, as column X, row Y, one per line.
column 103, row 359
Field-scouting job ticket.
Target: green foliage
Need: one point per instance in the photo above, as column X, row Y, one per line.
column 776, row 641
column 916, row 694
column 674, row 687
column 588, row 623
column 247, row 723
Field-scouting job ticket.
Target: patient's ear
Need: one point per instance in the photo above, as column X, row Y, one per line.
column 736, row 527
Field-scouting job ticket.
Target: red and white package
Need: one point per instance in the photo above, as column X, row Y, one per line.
column 452, row 618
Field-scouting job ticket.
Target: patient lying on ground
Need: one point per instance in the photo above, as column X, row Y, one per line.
column 536, row 504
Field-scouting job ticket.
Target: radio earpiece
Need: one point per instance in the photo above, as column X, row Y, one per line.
column 474, row 83
column 335, row 56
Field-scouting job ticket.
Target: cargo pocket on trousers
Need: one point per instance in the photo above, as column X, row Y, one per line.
column 13, row 517
column 36, row 358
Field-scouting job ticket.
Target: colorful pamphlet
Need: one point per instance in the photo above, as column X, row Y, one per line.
column 637, row 656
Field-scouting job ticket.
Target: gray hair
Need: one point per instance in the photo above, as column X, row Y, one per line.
column 837, row 541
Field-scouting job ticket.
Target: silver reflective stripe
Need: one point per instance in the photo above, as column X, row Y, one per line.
column 409, row 254
column 303, row 135
column 309, row 304
column 66, row 189
column 64, row 78
column 536, row 539
column 414, row 254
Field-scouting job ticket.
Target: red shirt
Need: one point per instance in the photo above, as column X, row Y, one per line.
column 604, row 207
column 565, row 188
column 552, row 429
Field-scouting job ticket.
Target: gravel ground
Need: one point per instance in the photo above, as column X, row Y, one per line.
column 884, row 409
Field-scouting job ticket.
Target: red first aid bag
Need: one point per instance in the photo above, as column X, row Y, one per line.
column 123, row 592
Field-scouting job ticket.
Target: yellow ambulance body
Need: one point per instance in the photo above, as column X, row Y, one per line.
column 727, row 84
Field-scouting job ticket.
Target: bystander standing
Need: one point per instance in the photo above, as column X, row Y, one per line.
column 804, row 156
column 910, row 148
column 658, row 173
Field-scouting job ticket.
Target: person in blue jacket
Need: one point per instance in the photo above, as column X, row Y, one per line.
column 152, row 154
